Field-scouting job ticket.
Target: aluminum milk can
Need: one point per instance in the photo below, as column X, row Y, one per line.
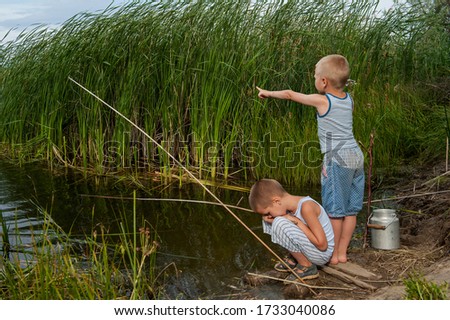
column 384, row 229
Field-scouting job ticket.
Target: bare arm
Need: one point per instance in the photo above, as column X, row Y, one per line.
column 312, row 229
column 319, row 101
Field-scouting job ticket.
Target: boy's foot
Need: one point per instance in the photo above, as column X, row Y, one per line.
column 333, row 261
column 290, row 261
column 337, row 258
column 304, row 273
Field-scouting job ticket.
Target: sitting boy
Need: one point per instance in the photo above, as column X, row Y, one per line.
column 299, row 224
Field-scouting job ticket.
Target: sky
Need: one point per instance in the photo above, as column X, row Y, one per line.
column 20, row 14
column 16, row 15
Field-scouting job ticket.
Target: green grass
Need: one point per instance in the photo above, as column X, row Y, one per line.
column 186, row 73
column 418, row 288
column 98, row 266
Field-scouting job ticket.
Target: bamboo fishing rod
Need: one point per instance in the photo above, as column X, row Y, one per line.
column 195, row 179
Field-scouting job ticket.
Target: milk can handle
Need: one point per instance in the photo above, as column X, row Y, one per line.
column 393, row 219
column 390, row 222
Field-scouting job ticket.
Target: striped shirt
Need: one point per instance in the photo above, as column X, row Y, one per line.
column 291, row 237
column 335, row 127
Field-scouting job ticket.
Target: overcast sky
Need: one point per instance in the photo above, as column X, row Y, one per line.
column 19, row 14
column 15, row 15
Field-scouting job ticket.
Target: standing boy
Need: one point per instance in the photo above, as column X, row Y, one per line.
column 299, row 224
column 343, row 165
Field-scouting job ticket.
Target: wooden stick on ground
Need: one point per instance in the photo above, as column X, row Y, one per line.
column 355, row 270
column 345, row 277
column 297, row 282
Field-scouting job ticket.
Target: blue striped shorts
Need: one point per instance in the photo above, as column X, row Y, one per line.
column 343, row 183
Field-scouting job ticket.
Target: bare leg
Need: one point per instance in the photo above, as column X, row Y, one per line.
column 301, row 259
column 337, row 229
column 309, row 273
column 348, row 226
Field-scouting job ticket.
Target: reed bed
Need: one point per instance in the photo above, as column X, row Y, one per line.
column 186, row 73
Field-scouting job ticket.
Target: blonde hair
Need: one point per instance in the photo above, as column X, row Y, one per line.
column 335, row 68
column 263, row 191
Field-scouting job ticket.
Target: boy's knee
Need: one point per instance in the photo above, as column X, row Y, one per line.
column 284, row 226
column 280, row 222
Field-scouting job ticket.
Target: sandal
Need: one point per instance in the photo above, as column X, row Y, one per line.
column 290, row 261
column 304, row 273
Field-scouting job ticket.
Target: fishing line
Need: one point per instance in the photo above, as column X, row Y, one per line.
column 194, row 178
column 168, row 200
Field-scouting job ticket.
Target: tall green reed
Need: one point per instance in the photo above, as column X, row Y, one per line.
column 186, row 73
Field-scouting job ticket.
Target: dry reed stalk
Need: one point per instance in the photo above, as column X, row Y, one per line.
column 446, row 156
column 411, row 196
column 369, row 187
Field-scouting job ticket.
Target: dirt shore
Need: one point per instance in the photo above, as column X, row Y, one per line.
column 421, row 197
column 424, row 209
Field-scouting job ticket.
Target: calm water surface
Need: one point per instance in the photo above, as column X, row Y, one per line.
column 208, row 249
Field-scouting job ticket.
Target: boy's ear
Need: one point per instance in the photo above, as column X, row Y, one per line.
column 275, row 199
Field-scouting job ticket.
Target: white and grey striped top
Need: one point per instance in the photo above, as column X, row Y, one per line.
column 335, row 127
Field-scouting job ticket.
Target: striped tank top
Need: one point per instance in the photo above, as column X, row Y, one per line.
column 323, row 219
column 289, row 236
column 335, row 127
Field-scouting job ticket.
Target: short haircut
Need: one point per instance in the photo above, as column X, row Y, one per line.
column 335, row 68
column 263, row 191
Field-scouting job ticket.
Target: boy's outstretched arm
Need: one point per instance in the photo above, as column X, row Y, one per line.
column 319, row 101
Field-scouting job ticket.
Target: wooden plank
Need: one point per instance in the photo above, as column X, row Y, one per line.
column 347, row 278
column 355, row 270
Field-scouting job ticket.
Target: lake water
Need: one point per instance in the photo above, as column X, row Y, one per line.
column 208, row 249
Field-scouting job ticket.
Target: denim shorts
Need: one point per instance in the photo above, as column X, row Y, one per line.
column 343, row 185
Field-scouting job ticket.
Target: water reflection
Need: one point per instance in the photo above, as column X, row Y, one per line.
column 19, row 225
